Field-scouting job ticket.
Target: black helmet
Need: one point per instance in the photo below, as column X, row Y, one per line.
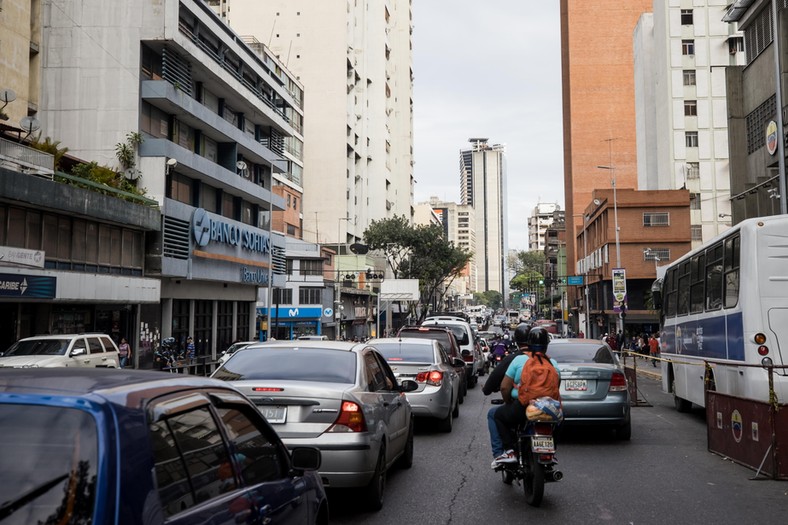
column 521, row 333
column 538, row 339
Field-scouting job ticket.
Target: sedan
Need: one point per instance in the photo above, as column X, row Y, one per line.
column 426, row 362
column 234, row 348
column 106, row 447
column 340, row 397
column 594, row 388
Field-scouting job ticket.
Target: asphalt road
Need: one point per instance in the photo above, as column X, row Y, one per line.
column 664, row 475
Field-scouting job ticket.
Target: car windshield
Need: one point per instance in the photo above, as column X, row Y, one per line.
column 456, row 329
column 407, row 353
column 297, row 364
column 237, row 346
column 51, row 475
column 580, row 353
column 38, row 347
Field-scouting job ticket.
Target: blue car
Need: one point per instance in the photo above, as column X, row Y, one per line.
column 105, row 446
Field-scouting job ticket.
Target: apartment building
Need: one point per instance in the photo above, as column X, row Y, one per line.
column 543, row 216
column 681, row 53
column 458, row 221
column 483, row 188
column 354, row 60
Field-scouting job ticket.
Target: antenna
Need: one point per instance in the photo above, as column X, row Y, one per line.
column 6, row 96
column 29, row 124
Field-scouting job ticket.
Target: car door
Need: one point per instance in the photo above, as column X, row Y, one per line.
column 381, row 402
column 399, row 415
column 97, row 357
column 79, row 353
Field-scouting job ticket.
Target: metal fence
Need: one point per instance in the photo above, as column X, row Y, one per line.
column 27, row 159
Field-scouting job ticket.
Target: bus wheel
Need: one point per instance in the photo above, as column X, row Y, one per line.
column 682, row 405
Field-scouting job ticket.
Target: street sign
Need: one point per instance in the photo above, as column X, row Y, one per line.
column 574, row 280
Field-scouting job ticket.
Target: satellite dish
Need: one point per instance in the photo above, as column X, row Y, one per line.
column 597, row 202
column 131, row 174
column 29, row 124
column 358, row 248
column 172, row 163
column 240, row 165
column 7, row 95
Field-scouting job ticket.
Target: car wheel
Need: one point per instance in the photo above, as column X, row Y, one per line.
column 463, row 391
column 406, row 459
column 446, row 424
column 624, row 432
column 373, row 493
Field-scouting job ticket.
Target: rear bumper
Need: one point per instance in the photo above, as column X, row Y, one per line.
column 435, row 402
column 348, row 460
column 606, row 411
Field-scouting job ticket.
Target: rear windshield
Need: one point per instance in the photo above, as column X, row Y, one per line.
column 458, row 330
column 296, row 364
column 435, row 335
column 48, row 466
column 407, row 353
column 580, row 353
column 38, row 347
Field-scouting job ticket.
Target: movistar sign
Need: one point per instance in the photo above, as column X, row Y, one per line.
column 206, row 228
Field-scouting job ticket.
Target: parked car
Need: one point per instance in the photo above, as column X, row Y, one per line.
column 313, row 337
column 426, row 362
column 593, row 385
column 130, row 446
column 469, row 348
column 66, row 350
column 340, row 397
column 446, row 338
column 234, row 348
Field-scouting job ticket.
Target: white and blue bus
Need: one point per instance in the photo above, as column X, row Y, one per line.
column 726, row 303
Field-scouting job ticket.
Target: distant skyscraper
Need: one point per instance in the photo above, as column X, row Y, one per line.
column 459, row 225
column 542, row 217
column 354, row 60
column 681, row 107
column 483, row 187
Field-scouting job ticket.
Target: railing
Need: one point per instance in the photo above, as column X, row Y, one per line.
column 103, row 188
column 27, row 159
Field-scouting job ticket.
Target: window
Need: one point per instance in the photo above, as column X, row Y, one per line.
column 731, row 265
column 310, row 296
column 263, row 460
column 242, row 320
column 690, row 108
column 688, row 47
column 683, row 298
column 686, row 17
column 311, row 267
column 689, row 77
column 283, row 296
column 696, row 232
column 697, row 278
column 179, row 188
column 694, row 201
column 651, row 219
column 693, row 170
column 714, row 277
column 691, row 139
column 659, row 254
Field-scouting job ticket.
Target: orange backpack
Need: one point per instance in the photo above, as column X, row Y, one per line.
column 539, row 378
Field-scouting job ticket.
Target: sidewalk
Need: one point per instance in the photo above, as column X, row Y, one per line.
column 644, row 366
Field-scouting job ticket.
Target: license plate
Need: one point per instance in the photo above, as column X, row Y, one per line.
column 274, row 414
column 542, row 444
column 577, row 385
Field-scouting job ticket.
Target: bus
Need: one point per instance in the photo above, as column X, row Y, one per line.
column 726, row 304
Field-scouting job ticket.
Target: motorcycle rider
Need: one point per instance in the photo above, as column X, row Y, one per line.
column 512, row 414
column 493, row 384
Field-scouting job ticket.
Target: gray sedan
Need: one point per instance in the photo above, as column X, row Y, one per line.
column 425, row 361
column 593, row 385
column 342, row 398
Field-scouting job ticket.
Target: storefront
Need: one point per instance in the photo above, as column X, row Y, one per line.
column 290, row 322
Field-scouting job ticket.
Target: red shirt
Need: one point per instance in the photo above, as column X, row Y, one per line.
column 653, row 345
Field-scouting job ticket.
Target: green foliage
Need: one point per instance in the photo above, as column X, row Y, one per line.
column 491, row 298
column 104, row 176
column 526, row 282
column 50, row 146
column 418, row 252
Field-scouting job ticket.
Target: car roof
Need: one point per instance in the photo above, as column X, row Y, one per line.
column 111, row 384
column 404, row 339
column 311, row 343
column 61, row 336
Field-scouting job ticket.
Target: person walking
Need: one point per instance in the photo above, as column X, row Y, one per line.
column 124, row 352
column 653, row 344
column 190, row 349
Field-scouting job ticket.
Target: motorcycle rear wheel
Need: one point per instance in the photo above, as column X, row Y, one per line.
column 533, row 481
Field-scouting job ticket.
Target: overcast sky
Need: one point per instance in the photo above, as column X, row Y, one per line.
column 489, row 69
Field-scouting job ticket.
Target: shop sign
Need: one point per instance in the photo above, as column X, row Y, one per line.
column 293, row 312
column 21, row 257
column 27, row 286
column 254, row 275
column 207, row 227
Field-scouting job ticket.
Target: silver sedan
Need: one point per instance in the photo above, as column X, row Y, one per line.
column 425, row 361
column 342, row 398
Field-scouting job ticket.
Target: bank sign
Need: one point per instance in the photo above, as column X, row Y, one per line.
column 27, row 286
column 208, row 228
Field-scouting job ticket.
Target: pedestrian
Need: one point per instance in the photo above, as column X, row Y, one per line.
column 653, row 344
column 190, row 350
column 124, row 352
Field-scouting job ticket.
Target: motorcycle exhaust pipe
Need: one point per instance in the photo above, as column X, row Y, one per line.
column 555, row 475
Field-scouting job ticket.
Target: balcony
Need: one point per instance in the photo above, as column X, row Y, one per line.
column 26, row 159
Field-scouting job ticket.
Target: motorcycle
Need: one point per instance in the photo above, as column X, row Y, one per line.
column 168, row 354
column 536, row 462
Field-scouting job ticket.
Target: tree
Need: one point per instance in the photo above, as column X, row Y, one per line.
column 533, row 260
column 526, row 282
column 418, row 252
column 491, row 298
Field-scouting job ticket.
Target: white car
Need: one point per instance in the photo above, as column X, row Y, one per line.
column 471, row 352
column 67, row 350
column 234, row 348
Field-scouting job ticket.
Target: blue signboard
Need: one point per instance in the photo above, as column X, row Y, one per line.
column 293, row 312
column 574, row 280
column 27, row 286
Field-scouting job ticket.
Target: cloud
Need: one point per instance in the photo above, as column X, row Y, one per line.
column 489, row 70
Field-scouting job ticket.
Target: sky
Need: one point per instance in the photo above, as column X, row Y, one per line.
column 489, row 69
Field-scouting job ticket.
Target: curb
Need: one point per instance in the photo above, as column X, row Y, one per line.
column 652, row 375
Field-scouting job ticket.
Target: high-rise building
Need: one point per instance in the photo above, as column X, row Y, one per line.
column 599, row 102
column 483, row 188
column 543, row 216
column 681, row 107
column 354, row 60
column 459, row 226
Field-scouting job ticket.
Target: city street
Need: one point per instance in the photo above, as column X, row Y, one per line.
column 663, row 475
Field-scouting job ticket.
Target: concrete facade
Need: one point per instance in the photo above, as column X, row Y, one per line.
column 458, row 224
column 542, row 217
column 354, row 60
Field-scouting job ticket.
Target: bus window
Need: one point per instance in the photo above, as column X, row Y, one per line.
column 697, row 292
column 732, row 249
column 714, row 278
column 670, row 293
column 683, row 285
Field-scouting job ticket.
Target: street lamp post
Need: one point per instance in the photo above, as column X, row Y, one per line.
column 615, row 220
column 337, row 298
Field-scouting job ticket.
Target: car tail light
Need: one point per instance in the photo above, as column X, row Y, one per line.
column 350, row 419
column 433, row 378
column 618, row 382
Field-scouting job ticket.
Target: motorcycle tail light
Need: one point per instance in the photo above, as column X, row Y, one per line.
column 543, row 429
column 350, row 419
column 618, row 382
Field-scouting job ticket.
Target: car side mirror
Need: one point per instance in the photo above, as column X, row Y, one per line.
column 408, row 385
column 77, row 352
column 458, row 362
column 305, row 458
